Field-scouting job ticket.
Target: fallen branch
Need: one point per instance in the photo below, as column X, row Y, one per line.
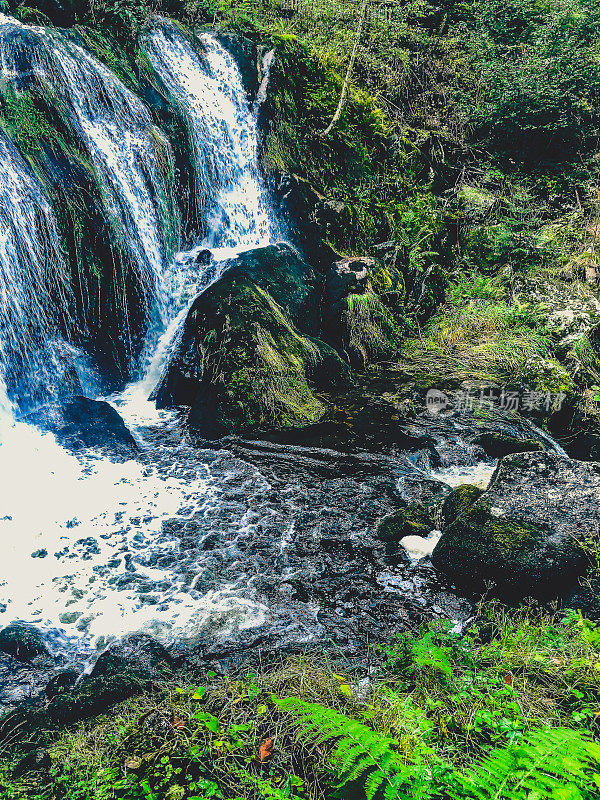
column 344, row 94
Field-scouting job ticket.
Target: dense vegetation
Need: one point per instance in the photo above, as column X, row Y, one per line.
column 508, row 711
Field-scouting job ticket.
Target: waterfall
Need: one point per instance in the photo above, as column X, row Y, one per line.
column 209, row 90
column 34, row 287
column 129, row 153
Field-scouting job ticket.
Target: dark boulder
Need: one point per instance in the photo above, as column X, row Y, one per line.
column 137, row 653
column 241, row 362
column 22, row 641
column 290, row 281
column 427, row 292
column 461, row 499
column 348, row 276
column 79, row 423
column 124, row 669
column 302, row 208
column 407, row 521
column 61, row 682
column 523, row 534
column 496, row 445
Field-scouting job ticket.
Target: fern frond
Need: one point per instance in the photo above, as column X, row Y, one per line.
column 542, row 766
column 358, row 752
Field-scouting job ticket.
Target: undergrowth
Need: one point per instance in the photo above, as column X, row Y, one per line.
column 507, row 711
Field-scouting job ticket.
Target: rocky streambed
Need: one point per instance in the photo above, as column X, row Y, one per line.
column 285, row 547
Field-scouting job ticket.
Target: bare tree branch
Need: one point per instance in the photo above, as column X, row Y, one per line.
column 344, row 94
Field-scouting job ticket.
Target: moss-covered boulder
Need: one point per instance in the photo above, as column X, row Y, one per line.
column 497, row 445
column 522, row 536
column 24, row 642
column 459, row 501
column 241, row 362
column 290, row 281
column 410, row 520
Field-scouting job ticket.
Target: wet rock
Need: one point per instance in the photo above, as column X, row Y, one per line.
column 203, row 258
column 349, row 276
column 123, row 670
column 62, row 682
column 407, row 521
column 299, row 204
column 241, row 361
column 93, row 696
column 80, row 423
column 137, row 653
column 461, row 499
column 21, row 681
column 24, row 642
column 522, row 534
column 496, row 445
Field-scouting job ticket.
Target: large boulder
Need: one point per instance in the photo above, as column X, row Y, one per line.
column 523, row 534
column 241, row 362
column 80, row 423
column 290, row 281
column 310, row 215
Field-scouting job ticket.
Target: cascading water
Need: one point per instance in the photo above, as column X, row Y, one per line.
column 210, row 92
column 100, row 544
column 129, row 153
column 34, row 287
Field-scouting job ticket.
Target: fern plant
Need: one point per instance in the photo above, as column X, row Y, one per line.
column 359, row 754
column 551, row 764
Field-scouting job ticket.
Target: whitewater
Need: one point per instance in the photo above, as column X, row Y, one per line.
column 88, row 550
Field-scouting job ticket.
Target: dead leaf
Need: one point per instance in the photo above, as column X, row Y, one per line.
column 134, row 764
column 508, row 679
column 265, row 751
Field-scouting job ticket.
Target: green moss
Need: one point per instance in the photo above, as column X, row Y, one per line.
column 304, row 92
column 459, row 501
column 408, row 521
column 479, row 527
column 511, row 534
column 23, row 119
column 499, row 445
column 257, row 367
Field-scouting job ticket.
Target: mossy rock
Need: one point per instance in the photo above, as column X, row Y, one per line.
column 497, row 445
column 242, row 364
column 409, row 521
column 521, row 536
column 461, row 499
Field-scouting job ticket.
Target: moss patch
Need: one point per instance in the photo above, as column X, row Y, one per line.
column 459, row 501
column 409, row 521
